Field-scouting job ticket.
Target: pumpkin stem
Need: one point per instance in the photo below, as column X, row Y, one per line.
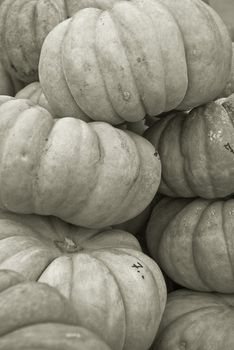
column 68, row 245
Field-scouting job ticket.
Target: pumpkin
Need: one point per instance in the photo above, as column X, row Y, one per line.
column 34, row 93
column 8, row 85
column 195, row 321
column 136, row 58
column 113, row 287
column 192, row 241
column 92, row 175
column 24, row 24
column 196, row 150
column 34, row 315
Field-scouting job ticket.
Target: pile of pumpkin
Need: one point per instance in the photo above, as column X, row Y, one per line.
column 116, row 176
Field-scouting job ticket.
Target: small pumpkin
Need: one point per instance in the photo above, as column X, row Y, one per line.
column 34, row 315
column 135, row 58
column 92, row 175
column 196, row 149
column 192, row 241
column 195, row 321
column 113, row 287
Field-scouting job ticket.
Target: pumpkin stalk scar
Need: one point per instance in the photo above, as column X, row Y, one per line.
column 68, row 245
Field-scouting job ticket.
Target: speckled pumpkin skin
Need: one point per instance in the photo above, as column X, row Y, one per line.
column 195, row 321
column 35, row 316
column 193, row 242
column 136, row 58
column 92, row 175
column 196, row 150
column 113, row 287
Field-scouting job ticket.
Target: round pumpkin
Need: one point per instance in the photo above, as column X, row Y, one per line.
column 34, row 315
column 192, row 241
column 196, row 150
column 92, row 175
column 34, row 93
column 196, row 321
column 113, row 287
column 136, row 58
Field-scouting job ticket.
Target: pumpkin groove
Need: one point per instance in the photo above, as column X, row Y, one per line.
column 193, row 242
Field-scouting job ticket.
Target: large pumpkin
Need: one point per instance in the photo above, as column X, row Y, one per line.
column 137, row 58
column 113, row 286
column 197, row 321
column 193, row 242
column 196, row 150
column 35, row 316
column 91, row 175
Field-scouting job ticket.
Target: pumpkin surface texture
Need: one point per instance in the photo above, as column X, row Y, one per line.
column 193, row 240
column 229, row 89
column 36, row 316
column 34, row 93
column 24, row 25
column 8, row 85
column 196, row 150
column 92, row 175
column 136, row 58
column 113, row 287
column 197, row 321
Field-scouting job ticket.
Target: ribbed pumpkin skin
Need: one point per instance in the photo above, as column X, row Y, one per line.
column 197, row 321
column 196, row 150
column 92, row 175
column 113, row 287
column 192, row 241
column 34, row 93
column 25, row 303
column 135, row 59
column 35, row 316
column 24, row 24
